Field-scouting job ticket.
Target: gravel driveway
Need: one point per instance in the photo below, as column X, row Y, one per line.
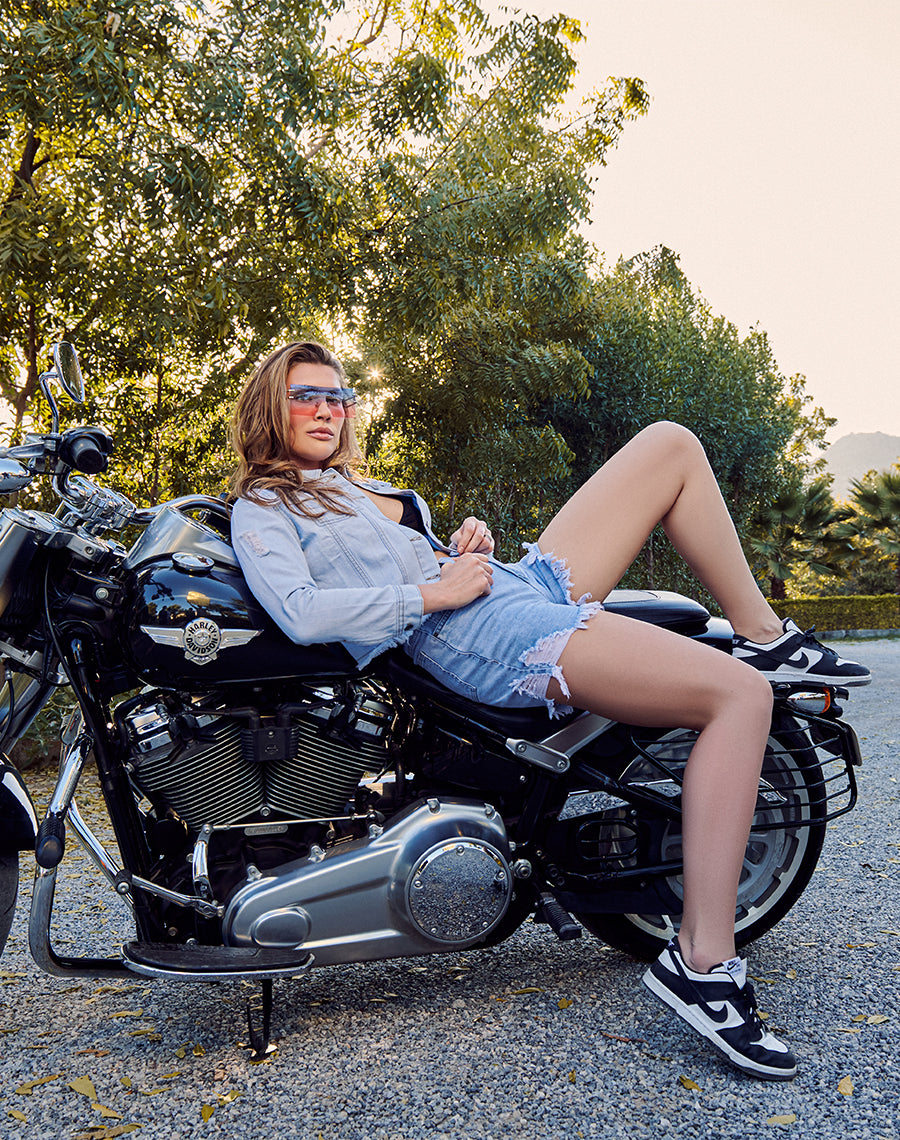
column 533, row 1039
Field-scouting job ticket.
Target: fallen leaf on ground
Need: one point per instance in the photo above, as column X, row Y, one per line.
column 83, row 1085
column 128, row 1013
column 26, row 1088
column 785, row 1118
column 101, row 1132
column 860, row 1017
column 845, row 1086
column 572, row 1077
column 528, row 990
column 689, row 1084
column 877, row 1019
column 206, row 1111
column 229, row 1097
column 564, row 1003
column 104, row 1111
column 790, row 974
column 16, row 1115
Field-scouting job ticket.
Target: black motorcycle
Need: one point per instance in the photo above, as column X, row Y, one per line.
column 277, row 808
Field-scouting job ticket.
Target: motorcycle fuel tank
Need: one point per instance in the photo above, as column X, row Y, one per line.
column 192, row 623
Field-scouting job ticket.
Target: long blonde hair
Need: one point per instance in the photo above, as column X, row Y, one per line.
column 261, row 437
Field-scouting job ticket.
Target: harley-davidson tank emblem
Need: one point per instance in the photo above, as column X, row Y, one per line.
column 201, row 639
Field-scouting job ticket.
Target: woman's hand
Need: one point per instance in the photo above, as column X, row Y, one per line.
column 473, row 537
column 463, row 579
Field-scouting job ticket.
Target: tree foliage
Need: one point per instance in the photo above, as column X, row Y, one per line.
column 190, row 184
column 523, row 429
column 876, row 502
column 801, row 526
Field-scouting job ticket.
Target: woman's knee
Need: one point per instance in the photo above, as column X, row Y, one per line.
column 672, row 437
column 749, row 690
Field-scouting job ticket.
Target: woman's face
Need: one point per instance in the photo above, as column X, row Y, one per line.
column 315, row 426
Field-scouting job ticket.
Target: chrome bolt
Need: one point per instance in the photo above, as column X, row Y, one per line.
column 434, row 805
column 101, row 593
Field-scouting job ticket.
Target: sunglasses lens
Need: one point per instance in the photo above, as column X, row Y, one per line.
column 306, row 401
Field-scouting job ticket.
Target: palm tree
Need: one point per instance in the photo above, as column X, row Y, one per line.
column 802, row 525
column 876, row 498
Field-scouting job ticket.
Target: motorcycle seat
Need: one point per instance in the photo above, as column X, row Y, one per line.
column 530, row 723
column 659, row 607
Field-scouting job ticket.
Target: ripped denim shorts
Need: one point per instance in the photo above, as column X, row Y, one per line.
column 503, row 649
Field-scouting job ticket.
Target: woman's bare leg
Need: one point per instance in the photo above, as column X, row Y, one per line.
column 639, row 674
column 643, row 675
column 660, row 476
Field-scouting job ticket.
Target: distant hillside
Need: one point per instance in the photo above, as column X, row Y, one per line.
column 851, row 456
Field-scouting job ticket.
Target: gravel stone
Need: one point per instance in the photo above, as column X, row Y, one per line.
column 458, row 1055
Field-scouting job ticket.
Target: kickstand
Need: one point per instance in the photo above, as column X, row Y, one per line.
column 261, row 1004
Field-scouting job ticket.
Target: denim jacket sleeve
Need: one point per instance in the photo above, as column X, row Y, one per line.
column 272, row 557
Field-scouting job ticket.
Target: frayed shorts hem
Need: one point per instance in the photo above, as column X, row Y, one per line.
column 504, row 649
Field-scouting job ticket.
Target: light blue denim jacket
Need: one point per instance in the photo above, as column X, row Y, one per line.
column 322, row 578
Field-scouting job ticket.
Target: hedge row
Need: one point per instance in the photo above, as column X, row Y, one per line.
column 856, row 611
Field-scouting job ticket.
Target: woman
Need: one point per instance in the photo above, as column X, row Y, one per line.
column 334, row 557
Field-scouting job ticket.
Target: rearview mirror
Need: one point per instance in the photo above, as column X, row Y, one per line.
column 69, row 370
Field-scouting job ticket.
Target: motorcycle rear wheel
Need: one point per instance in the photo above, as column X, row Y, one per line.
column 9, row 889
column 778, row 863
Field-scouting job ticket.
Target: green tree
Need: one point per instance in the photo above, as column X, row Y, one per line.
column 656, row 350
column 800, row 526
column 189, row 184
column 876, row 502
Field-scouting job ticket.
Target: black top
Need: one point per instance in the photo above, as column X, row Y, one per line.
column 411, row 516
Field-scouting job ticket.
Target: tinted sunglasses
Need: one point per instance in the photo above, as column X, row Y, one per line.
column 306, row 400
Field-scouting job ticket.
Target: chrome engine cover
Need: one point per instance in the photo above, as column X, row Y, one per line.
column 436, row 879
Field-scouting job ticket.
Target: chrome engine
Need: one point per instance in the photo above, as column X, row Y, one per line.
column 436, row 879
column 208, row 768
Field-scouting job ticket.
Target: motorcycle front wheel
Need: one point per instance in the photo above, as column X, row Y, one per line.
column 781, row 854
column 9, row 889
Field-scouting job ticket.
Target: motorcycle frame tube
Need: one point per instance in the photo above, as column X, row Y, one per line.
column 41, row 946
column 114, row 784
column 98, row 853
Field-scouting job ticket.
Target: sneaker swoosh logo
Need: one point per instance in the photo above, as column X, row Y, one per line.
column 727, row 1017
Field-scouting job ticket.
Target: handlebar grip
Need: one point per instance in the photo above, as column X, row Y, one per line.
column 86, row 456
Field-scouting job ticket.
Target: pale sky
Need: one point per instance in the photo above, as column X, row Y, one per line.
column 769, row 161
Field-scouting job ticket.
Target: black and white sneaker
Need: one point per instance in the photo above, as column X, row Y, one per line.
column 722, row 1006
column 797, row 656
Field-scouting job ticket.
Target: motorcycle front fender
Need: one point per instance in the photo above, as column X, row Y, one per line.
column 18, row 819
